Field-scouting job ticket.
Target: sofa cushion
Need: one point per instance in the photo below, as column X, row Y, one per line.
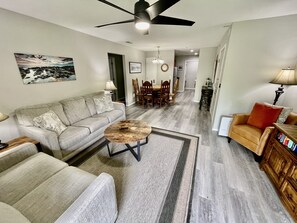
column 93, row 124
column 72, row 135
column 25, row 115
column 75, row 109
column 249, row 132
column 111, row 115
column 23, row 177
column 90, row 101
column 50, row 199
column 103, row 103
column 263, row 115
column 49, row 121
column 9, row 214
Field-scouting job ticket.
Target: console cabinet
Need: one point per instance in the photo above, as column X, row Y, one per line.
column 280, row 164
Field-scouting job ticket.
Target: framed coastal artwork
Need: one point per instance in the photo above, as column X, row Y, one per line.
column 134, row 67
column 35, row 68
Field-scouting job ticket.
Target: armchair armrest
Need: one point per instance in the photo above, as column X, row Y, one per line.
column 239, row 119
column 48, row 139
column 96, row 204
column 264, row 139
column 15, row 155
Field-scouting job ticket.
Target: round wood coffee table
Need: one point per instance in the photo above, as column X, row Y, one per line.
column 126, row 132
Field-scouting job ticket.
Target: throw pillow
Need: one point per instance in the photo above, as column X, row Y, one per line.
column 108, row 103
column 99, row 104
column 49, row 121
column 284, row 114
column 103, row 103
column 263, row 116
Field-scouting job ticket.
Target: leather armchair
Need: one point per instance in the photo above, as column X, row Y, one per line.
column 251, row 137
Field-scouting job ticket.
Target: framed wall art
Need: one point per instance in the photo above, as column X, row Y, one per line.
column 35, row 68
column 135, row 67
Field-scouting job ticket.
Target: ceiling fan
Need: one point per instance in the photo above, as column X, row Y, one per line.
column 146, row 14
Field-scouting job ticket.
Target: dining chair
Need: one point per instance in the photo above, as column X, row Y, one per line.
column 147, row 92
column 138, row 94
column 163, row 97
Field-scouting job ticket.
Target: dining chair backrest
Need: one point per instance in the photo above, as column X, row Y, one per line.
column 147, row 87
column 165, row 87
column 175, row 86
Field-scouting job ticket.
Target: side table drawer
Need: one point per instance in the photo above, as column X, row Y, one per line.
column 289, row 195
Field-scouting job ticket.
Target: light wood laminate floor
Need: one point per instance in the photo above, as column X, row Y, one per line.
column 229, row 186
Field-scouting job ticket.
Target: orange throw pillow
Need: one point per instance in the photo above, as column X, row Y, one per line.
column 263, row 115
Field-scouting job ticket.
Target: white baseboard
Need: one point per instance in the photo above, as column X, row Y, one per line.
column 130, row 104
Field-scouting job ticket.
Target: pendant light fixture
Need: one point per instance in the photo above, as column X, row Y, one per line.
column 158, row 60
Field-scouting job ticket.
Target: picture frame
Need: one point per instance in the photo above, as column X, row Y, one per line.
column 135, row 67
column 37, row 68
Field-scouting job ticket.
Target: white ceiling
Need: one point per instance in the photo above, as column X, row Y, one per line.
column 211, row 17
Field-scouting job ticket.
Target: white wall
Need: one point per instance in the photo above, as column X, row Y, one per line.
column 257, row 51
column 207, row 57
column 168, row 57
column 22, row 34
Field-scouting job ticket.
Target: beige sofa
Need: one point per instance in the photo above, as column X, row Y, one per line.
column 79, row 115
column 36, row 187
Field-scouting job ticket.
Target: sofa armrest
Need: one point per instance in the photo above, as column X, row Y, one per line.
column 48, row 139
column 15, row 155
column 96, row 204
column 120, row 106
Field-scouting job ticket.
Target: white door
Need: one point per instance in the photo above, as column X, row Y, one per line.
column 217, row 82
column 191, row 69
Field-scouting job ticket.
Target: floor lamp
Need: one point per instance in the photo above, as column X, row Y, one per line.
column 2, row 118
column 284, row 77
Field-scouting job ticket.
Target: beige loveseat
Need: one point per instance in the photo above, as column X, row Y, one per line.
column 36, row 187
column 84, row 124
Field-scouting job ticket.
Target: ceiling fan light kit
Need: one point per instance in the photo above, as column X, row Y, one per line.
column 142, row 25
column 146, row 14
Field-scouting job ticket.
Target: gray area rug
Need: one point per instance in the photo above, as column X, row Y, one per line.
column 156, row 189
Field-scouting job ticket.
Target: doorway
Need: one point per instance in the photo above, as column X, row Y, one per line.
column 217, row 81
column 116, row 69
column 191, row 69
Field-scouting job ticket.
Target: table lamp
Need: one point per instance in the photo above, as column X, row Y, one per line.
column 2, row 118
column 109, row 86
column 285, row 77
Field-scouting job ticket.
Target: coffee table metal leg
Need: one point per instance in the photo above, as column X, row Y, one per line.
column 131, row 148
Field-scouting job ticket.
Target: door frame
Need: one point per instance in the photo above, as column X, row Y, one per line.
column 114, row 78
column 217, row 81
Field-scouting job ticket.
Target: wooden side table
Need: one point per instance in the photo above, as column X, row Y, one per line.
column 20, row 140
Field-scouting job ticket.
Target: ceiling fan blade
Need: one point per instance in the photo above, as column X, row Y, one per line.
column 160, row 6
column 115, row 6
column 114, row 23
column 165, row 20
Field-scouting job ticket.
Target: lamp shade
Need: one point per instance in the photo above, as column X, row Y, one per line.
column 285, row 77
column 109, row 86
column 3, row 117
